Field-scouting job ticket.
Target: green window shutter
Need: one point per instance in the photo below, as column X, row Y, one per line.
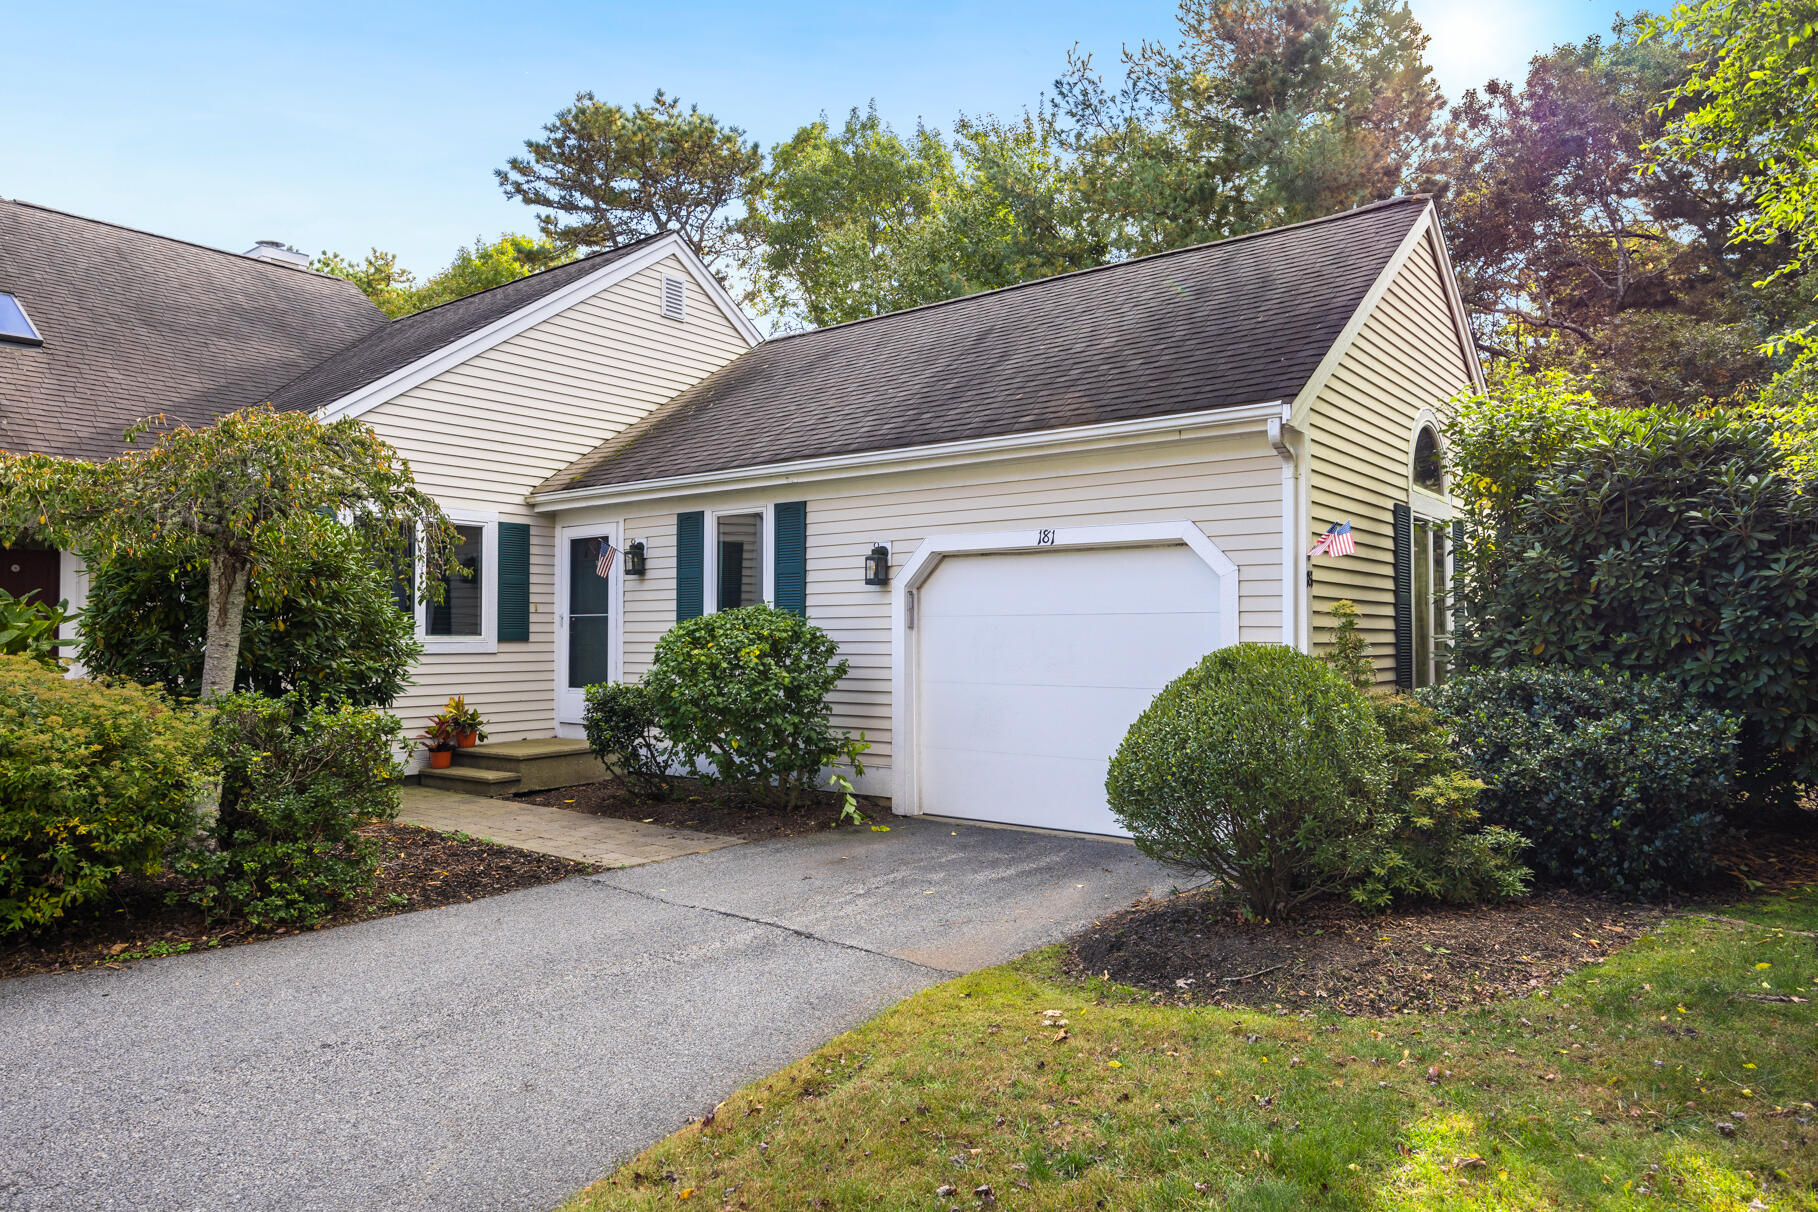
column 514, row 582
column 689, row 543
column 1404, row 597
column 1457, row 602
column 792, row 556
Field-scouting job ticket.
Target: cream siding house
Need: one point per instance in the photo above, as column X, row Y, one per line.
column 1078, row 486
column 483, row 423
column 1082, row 485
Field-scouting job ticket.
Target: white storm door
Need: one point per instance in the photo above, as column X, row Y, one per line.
column 1033, row 666
column 587, row 646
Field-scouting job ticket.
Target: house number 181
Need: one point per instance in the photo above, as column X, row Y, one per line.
column 1044, row 538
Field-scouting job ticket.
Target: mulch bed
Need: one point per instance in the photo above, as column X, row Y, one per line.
column 420, row 869
column 1197, row 949
column 703, row 809
column 1332, row 956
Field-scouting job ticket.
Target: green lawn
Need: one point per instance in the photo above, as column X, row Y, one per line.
column 1604, row 1092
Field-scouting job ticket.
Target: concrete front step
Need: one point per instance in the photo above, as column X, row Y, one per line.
column 539, row 764
column 472, row 780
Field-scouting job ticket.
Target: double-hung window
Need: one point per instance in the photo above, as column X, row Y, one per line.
column 466, row 617
column 738, row 564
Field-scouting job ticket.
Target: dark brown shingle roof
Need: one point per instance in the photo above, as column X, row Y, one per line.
column 1240, row 321
column 411, row 337
column 136, row 324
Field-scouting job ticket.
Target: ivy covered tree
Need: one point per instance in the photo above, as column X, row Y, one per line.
column 239, row 497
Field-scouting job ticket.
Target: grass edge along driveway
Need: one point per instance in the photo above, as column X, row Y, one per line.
column 1607, row 1091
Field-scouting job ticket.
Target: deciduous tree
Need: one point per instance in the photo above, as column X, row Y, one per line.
column 238, row 496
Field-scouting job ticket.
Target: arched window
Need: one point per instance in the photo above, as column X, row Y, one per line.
column 1423, row 571
column 1428, row 471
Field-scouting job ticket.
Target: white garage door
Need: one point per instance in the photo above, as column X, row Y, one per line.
column 1033, row 666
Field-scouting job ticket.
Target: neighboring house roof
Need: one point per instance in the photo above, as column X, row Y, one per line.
column 136, row 324
column 1241, row 321
column 409, row 339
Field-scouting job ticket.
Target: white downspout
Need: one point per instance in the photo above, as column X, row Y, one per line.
column 1292, row 578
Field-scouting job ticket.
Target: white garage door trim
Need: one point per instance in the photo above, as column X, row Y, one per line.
column 933, row 549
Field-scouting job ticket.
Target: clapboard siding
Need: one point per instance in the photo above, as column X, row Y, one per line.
column 1406, row 358
column 1231, row 488
column 483, row 434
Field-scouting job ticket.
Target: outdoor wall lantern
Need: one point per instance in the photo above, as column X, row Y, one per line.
column 877, row 566
column 634, row 558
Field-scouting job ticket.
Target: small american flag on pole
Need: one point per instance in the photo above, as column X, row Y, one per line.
column 602, row 567
column 1337, row 541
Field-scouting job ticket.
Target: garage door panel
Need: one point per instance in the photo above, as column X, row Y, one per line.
column 1074, row 720
column 1072, row 649
column 1038, row 791
column 1032, row 666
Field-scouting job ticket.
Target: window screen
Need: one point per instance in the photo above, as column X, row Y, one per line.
column 461, row 612
column 740, row 566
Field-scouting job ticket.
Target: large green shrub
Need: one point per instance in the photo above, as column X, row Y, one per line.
column 1619, row 784
column 1259, row 765
column 1430, row 842
column 94, row 781
column 620, row 720
column 327, row 626
column 742, row 697
column 1652, row 542
column 297, row 781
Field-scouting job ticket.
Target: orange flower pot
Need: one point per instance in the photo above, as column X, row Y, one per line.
column 441, row 759
column 466, row 739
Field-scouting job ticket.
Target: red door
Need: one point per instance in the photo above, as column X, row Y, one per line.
column 30, row 570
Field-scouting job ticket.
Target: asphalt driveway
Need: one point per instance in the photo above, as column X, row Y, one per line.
column 500, row 1054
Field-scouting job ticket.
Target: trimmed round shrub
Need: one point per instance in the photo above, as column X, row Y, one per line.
column 328, row 629
column 620, row 720
column 94, row 781
column 297, row 781
column 741, row 697
column 1619, row 784
column 1261, row 766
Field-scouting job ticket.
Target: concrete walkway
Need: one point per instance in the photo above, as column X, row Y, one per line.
column 604, row 840
column 500, row 1054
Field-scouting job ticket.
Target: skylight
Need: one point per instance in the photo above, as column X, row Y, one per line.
column 15, row 325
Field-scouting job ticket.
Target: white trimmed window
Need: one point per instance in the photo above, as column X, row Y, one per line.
column 467, row 617
column 739, row 559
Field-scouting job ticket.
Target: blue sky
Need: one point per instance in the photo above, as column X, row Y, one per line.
column 344, row 125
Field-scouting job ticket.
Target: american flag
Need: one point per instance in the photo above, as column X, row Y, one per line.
column 602, row 567
column 1337, row 541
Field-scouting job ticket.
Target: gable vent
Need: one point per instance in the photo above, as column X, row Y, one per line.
column 675, row 297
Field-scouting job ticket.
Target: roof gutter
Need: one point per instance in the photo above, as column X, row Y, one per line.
column 1212, row 422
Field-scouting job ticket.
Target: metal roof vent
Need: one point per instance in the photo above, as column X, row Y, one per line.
column 278, row 253
column 675, row 298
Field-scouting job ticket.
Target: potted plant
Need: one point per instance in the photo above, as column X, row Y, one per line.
column 443, row 735
column 469, row 725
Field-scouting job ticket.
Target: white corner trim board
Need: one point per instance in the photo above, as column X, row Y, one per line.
column 936, row 548
column 399, row 381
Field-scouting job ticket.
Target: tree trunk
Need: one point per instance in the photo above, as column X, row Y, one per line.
column 220, row 660
column 226, row 611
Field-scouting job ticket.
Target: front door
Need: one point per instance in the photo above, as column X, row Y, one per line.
column 587, row 568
